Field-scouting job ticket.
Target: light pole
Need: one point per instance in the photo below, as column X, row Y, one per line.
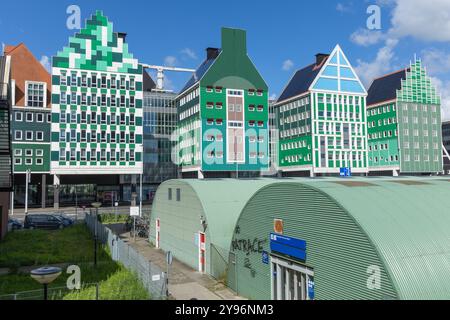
column 45, row 276
column 27, row 181
column 96, row 205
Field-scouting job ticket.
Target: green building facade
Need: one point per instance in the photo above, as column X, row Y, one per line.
column 96, row 104
column 404, row 123
column 322, row 120
column 223, row 112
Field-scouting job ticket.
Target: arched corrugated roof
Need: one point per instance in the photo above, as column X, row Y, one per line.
column 406, row 219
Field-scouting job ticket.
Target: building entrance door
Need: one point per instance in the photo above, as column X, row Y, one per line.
column 291, row 280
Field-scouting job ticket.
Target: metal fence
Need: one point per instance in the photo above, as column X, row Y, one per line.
column 152, row 277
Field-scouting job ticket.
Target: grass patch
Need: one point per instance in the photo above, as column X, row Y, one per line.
column 107, row 218
column 39, row 247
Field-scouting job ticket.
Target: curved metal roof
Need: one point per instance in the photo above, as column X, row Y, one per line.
column 406, row 219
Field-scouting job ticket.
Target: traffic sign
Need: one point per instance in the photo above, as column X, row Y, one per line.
column 134, row 211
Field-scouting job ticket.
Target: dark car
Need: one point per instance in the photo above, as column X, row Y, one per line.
column 43, row 221
column 65, row 219
column 14, row 224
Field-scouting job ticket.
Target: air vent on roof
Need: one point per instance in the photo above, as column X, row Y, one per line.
column 211, row 53
column 320, row 57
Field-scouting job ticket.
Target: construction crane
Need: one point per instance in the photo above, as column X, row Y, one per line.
column 160, row 73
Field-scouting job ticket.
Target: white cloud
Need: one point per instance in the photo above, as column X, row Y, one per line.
column 287, row 65
column 383, row 63
column 170, row 61
column 189, row 53
column 45, row 61
column 343, row 8
column 365, row 37
column 436, row 61
column 423, row 20
column 443, row 88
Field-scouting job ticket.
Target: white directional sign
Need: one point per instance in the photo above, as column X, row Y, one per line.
column 134, row 211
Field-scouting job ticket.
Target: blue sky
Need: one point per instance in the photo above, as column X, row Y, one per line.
column 282, row 36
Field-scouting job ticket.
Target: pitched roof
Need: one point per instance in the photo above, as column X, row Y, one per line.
column 385, row 88
column 300, row 82
column 199, row 73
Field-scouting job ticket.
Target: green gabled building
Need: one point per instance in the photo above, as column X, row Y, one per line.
column 404, row 123
column 223, row 114
column 321, row 117
column 96, row 105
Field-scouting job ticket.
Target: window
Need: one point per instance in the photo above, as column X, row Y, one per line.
column 49, row 117
column 113, row 136
column 19, row 116
column 103, row 117
column 122, row 82
column 39, row 135
column 103, row 83
column 73, row 116
column 73, row 135
column 103, row 99
column 83, row 80
column 62, row 154
column 73, row 79
column 73, row 154
column 113, row 155
column 131, row 155
column 83, row 98
column 18, row 161
column 63, row 98
column 122, row 136
column 63, row 79
column 39, row 117
column 94, row 99
column 94, row 81
column 83, row 136
column 132, row 119
column 102, row 155
column 29, row 161
column 17, row 152
column 35, row 94
column 132, row 101
column 113, row 82
column 93, row 117
column 122, row 155
column 29, row 135
column 122, row 118
column 132, row 84
column 132, row 135
column 62, row 135
column 169, row 194
column 28, row 152
column 73, row 98
column 83, row 154
column 103, row 136
column 93, row 136
column 29, row 117
column 178, row 194
column 83, row 116
column 39, row 161
column 93, row 154
column 113, row 101
column 113, row 118
column 122, row 101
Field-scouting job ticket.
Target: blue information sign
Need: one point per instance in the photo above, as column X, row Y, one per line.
column 265, row 257
column 292, row 247
column 345, row 172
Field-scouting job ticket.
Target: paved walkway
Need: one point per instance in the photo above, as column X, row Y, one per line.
column 185, row 283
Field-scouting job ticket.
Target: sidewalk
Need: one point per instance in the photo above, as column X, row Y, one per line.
column 184, row 282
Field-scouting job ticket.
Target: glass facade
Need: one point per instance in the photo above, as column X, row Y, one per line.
column 159, row 122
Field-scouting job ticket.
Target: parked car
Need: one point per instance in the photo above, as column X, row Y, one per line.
column 65, row 219
column 43, row 221
column 14, row 224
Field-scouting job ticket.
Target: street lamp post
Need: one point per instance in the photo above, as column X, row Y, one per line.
column 96, row 205
column 45, row 276
column 27, row 181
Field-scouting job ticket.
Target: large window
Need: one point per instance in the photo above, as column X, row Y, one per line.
column 35, row 94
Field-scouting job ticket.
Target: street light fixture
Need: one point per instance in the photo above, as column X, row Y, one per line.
column 45, row 276
column 96, row 205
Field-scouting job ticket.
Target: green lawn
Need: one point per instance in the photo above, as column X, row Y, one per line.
column 71, row 245
column 38, row 247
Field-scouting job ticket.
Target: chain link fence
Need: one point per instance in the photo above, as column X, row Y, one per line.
column 152, row 277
